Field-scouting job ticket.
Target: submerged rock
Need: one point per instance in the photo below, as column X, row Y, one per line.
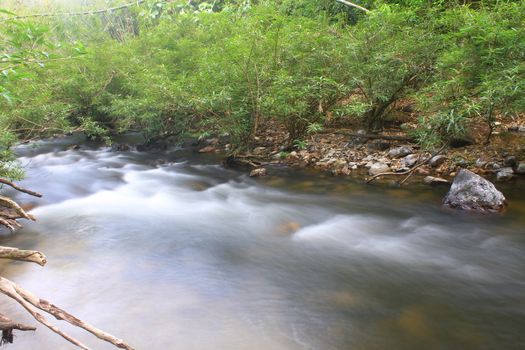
column 120, row 147
column 505, row 174
column 258, row 172
column 401, row 151
column 378, row 168
column 472, row 192
column 520, row 169
column 208, row 149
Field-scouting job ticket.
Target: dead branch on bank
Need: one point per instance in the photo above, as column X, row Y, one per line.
column 409, row 172
column 10, row 211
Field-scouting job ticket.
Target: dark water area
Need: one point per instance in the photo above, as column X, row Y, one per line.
column 190, row 255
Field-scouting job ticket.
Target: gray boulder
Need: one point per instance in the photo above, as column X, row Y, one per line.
column 437, row 161
column 378, row 168
column 401, row 151
column 411, row 160
column 505, row 174
column 472, row 192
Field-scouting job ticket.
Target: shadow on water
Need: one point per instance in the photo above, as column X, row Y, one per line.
column 189, row 255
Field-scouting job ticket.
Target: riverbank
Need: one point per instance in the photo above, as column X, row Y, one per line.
column 353, row 152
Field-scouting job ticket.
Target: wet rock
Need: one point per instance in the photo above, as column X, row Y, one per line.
column 378, row 168
column 120, row 147
column 472, row 192
column 437, row 160
column 480, row 163
column 520, row 169
column 410, row 160
column 378, row 145
column 208, row 149
column 494, row 166
column 154, row 145
column 505, row 174
column 435, row 181
column 73, row 147
column 401, row 151
column 510, row 161
column 258, row 172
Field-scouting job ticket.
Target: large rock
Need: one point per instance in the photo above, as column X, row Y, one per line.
column 378, row 168
column 399, row 152
column 505, row 174
column 472, row 192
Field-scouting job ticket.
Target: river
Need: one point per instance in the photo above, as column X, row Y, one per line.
column 189, row 255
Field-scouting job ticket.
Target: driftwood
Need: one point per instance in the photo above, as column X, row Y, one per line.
column 23, row 255
column 10, row 211
column 409, row 172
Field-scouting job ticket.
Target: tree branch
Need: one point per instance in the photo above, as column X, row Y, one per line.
column 27, row 300
column 23, row 255
column 20, row 189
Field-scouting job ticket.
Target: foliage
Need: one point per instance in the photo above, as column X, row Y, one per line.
column 224, row 67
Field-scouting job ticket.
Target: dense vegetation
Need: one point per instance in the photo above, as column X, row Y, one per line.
column 174, row 68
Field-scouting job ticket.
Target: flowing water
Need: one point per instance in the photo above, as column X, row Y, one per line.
column 189, row 255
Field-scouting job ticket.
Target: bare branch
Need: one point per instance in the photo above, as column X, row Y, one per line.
column 18, row 188
column 351, row 4
column 27, row 300
column 9, row 203
column 23, row 255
